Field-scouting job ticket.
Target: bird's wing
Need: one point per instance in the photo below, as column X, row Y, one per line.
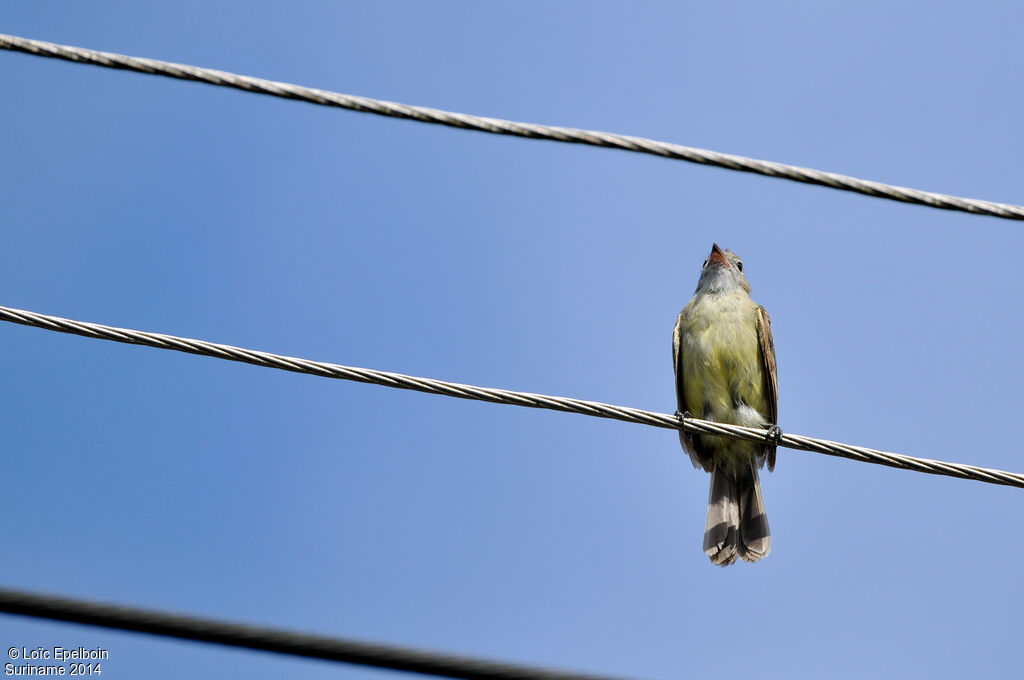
column 764, row 336
column 689, row 444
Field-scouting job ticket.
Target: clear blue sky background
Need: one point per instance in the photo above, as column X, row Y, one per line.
column 167, row 480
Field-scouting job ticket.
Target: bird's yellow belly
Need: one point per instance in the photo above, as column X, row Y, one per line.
column 724, row 375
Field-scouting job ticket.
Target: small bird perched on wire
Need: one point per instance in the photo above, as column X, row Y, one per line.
column 724, row 361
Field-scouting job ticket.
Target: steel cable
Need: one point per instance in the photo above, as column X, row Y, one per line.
column 499, row 396
column 272, row 639
column 507, row 127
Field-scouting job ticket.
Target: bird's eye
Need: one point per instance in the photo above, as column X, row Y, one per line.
column 706, row 261
column 739, row 265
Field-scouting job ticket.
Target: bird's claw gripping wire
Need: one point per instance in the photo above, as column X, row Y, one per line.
column 683, row 415
column 774, row 434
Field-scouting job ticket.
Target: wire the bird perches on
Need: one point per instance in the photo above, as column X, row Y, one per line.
column 508, row 127
column 499, row 396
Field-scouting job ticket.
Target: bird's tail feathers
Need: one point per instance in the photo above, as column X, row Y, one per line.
column 737, row 525
column 721, row 533
column 755, row 536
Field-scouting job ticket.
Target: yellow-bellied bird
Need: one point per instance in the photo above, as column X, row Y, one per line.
column 725, row 371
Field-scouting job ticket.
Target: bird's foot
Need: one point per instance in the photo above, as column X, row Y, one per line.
column 774, row 434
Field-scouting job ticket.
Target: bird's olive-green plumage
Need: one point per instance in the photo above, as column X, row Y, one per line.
column 722, row 362
column 725, row 371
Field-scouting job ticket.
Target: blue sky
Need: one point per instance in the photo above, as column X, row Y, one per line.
column 185, row 483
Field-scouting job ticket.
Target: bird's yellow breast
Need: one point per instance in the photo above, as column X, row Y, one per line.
column 722, row 364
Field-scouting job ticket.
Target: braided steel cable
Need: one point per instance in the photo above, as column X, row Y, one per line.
column 508, row 127
column 272, row 639
column 499, row 396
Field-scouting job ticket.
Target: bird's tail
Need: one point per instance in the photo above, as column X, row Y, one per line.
column 755, row 536
column 737, row 525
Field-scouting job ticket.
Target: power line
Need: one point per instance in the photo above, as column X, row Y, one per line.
column 273, row 639
column 508, row 127
column 499, row 396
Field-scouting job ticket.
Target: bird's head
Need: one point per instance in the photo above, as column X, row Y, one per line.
column 722, row 272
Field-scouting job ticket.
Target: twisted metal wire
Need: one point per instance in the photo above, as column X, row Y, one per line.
column 272, row 639
column 508, row 127
column 499, row 396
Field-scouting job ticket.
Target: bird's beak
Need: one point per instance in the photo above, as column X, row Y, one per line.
column 718, row 255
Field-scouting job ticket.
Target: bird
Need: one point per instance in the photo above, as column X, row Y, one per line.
column 724, row 359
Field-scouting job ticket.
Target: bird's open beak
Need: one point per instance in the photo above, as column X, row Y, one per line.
column 718, row 255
